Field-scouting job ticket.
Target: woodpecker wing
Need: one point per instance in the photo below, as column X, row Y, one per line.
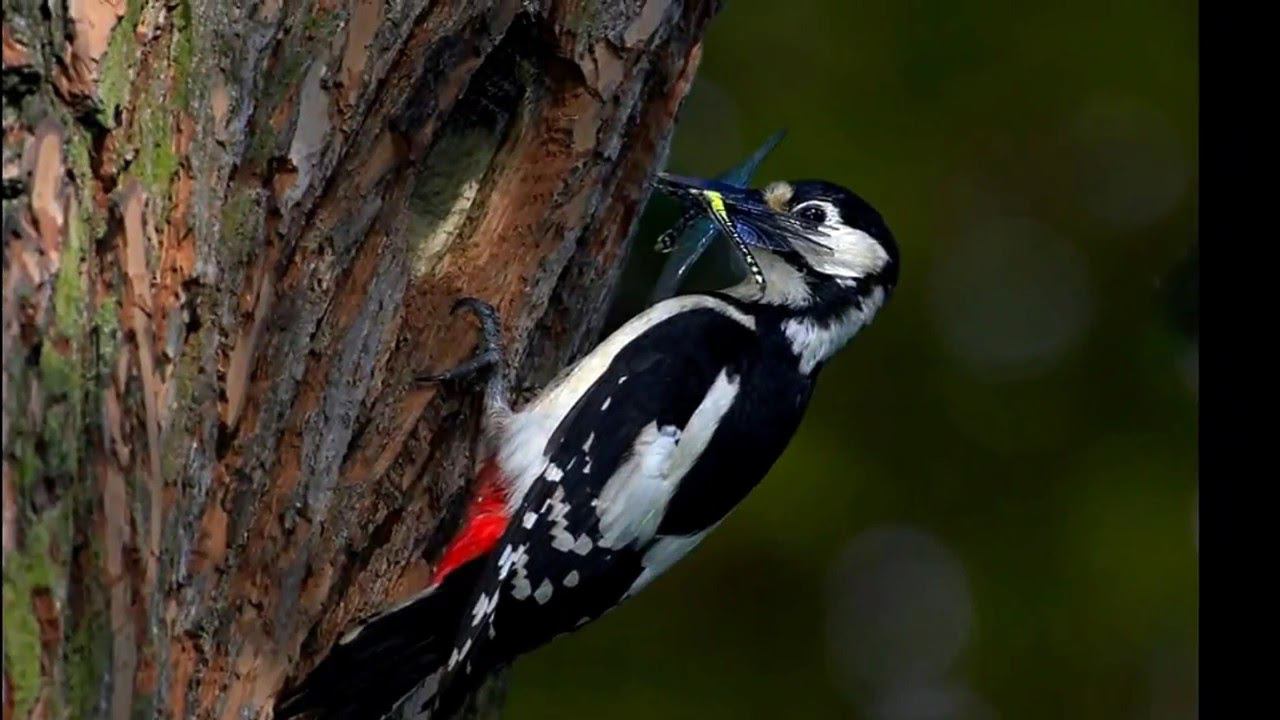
column 576, row 543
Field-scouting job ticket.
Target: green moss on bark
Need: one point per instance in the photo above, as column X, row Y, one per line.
column 106, row 323
column 323, row 23
column 34, row 567
column 116, row 70
column 88, row 652
column 157, row 160
column 241, row 220
column 263, row 147
column 61, row 369
column 182, row 54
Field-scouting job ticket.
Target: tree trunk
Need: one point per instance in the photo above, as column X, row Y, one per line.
column 233, row 232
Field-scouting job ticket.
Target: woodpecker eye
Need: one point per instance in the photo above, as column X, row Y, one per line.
column 812, row 213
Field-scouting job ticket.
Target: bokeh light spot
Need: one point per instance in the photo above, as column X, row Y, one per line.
column 1132, row 169
column 1010, row 297
column 899, row 612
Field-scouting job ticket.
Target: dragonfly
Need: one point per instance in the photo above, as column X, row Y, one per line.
column 692, row 234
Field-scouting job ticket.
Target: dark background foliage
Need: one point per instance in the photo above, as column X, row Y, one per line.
column 990, row 510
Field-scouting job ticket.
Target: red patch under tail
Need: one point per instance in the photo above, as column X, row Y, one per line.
column 485, row 521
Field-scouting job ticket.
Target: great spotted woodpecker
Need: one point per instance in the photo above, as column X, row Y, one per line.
column 625, row 462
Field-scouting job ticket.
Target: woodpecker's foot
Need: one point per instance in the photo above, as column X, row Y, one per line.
column 487, row 357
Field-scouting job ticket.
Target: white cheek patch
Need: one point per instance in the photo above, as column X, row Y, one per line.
column 853, row 253
column 849, row 253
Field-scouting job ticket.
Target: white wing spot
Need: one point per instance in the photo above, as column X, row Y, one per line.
column 561, row 538
column 459, row 653
column 511, row 557
column 623, row 379
column 571, row 580
column 529, row 519
column 583, row 545
column 520, row 587
column 605, row 406
column 484, row 606
column 554, row 473
column 543, row 593
column 586, row 446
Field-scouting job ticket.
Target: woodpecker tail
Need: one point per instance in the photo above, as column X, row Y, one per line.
column 374, row 666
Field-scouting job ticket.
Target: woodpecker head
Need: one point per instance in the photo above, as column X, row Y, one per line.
column 801, row 240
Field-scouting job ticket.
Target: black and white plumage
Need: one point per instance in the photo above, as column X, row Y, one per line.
column 623, row 464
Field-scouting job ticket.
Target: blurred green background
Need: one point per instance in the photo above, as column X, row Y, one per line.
column 990, row 510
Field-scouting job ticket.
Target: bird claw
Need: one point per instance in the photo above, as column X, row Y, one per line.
column 487, row 357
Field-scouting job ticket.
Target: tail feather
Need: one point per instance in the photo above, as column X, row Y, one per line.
column 371, row 669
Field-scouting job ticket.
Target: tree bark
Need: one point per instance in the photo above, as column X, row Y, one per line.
column 233, row 232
